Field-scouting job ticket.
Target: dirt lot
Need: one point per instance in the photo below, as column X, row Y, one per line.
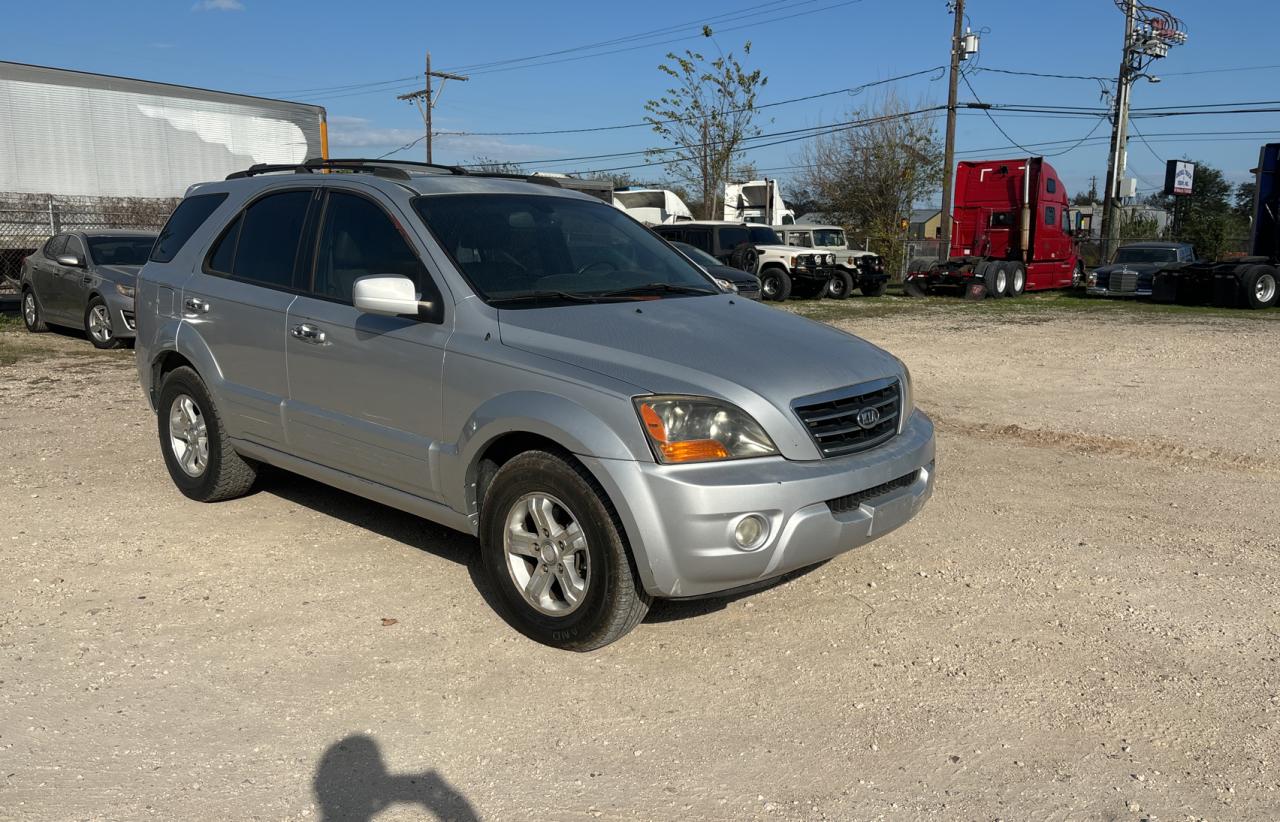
column 1084, row 623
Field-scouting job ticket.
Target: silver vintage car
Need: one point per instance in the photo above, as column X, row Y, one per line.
column 85, row 279
column 526, row 364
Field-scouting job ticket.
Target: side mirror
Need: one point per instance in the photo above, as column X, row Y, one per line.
column 72, row 260
column 390, row 295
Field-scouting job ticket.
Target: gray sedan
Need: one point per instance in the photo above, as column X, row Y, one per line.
column 85, row 279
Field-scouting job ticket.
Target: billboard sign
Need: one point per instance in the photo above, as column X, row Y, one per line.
column 1179, row 178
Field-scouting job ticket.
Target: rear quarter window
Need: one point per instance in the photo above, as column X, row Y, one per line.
column 183, row 222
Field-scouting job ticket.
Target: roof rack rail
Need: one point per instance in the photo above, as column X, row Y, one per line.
column 391, row 169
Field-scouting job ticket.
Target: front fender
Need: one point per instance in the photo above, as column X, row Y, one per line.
column 565, row 422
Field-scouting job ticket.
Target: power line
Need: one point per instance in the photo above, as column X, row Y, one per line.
column 852, row 90
column 1046, row 74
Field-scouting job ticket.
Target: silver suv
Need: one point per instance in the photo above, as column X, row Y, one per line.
column 522, row 363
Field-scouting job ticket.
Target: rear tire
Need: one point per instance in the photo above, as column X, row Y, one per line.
column 197, row 450
column 775, row 285
column 995, row 277
column 31, row 316
column 976, row 291
column 1259, row 286
column 874, row 289
column 745, row 257
column 554, row 550
column 97, row 325
column 840, row 286
column 1017, row 278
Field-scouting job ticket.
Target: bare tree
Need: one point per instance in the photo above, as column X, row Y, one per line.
column 705, row 115
column 482, row 163
column 869, row 176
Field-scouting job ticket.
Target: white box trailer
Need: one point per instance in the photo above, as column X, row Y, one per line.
column 75, row 133
column 756, row 201
column 652, row 206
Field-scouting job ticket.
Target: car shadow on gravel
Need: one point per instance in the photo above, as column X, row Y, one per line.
column 455, row 546
column 352, row 785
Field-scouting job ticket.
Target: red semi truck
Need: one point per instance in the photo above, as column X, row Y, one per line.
column 1010, row 234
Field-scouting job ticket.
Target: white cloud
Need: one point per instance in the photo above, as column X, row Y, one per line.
column 355, row 132
column 218, row 5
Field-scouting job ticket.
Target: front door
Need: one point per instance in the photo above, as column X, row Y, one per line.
column 364, row 389
column 237, row 302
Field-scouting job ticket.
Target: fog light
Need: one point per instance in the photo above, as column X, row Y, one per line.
column 751, row 532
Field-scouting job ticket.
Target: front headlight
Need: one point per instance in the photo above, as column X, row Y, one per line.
column 725, row 285
column 908, row 397
column 831, row 259
column 700, row 429
column 1092, row 279
column 125, row 290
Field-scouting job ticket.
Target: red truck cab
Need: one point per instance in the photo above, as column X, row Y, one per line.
column 1010, row 233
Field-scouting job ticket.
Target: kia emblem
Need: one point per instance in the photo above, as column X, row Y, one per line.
column 868, row 417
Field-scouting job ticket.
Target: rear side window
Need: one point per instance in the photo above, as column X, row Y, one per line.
column 261, row 245
column 183, row 222
column 357, row 239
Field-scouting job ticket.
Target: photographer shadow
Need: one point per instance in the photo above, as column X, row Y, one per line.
column 352, row 785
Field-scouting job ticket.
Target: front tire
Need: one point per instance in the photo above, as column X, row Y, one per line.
column 97, row 325
column 874, row 289
column 197, row 450
column 840, row 286
column 553, row 548
column 31, row 316
column 914, row 288
column 775, row 285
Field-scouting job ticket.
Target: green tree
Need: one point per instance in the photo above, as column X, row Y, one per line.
column 1245, row 193
column 705, row 116
column 870, row 178
column 1206, row 218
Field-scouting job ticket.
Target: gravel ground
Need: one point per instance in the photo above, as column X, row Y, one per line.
column 1083, row 623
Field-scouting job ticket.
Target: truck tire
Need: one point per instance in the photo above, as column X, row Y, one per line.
column 1259, row 286
column 1017, row 278
column 775, row 285
column 554, row 549
column 995, row 277
column 975, row 291
column 874, row 289
column 1077, row 276
column 920, row 265
column 914, row 288
column 840, row 286
column 745, row 257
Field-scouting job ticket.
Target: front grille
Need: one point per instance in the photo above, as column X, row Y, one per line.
column 832, row 419
column 1123, row 282
column 850, row 502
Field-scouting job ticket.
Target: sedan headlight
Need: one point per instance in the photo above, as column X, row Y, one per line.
column 908, row 397
column 700, row 429
column 725, row 285
column 125, row 290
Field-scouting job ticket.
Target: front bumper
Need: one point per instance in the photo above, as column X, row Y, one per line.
column 680, row 519
column 121, row 308
column 1095, row 291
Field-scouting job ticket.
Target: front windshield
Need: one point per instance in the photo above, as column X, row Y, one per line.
column 763, row 235
column 697, row 254
column 1146, row 255
column 527, row 248
column 120, row 250
column 828, row 238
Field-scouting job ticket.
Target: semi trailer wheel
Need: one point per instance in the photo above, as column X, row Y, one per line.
column 914, row 288
column 1017, row 278
column 1258, row 286
column 995, row 277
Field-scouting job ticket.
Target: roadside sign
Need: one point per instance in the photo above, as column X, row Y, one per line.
column 1179, row 178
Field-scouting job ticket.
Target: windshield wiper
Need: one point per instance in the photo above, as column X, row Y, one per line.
column 534, row 296
column 670, row 288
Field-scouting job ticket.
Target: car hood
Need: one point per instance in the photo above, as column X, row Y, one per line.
column 125, row 274
column 757, row 357
column 1137, row 268
column 734, row 275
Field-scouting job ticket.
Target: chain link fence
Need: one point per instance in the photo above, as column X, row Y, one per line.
column 27, row 220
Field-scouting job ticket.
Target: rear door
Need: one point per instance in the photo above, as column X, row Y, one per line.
column 237, row 301
column 364, row 389
column 41, row 272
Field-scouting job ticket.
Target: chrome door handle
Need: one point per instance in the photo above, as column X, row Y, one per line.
column 308, row 333
column 195, row 305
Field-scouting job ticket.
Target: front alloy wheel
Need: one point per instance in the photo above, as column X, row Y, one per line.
column 547, row 554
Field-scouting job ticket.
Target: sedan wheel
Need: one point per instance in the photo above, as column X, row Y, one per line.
column 31, row 312
column 97, row 324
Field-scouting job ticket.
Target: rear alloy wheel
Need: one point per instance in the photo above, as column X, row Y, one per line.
column 31, row 312
column 1259, row 286
column 996, row 278
column 554, row 549
column 197, row 450
column 775, row 284
column 1017, row 278
column 840, row 286
column 97, row 324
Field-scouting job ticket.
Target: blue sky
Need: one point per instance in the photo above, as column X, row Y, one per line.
column 305, row 50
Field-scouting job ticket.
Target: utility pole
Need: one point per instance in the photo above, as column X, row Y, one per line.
column 1149, row 33
column 424, row 100
column 949, row 155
